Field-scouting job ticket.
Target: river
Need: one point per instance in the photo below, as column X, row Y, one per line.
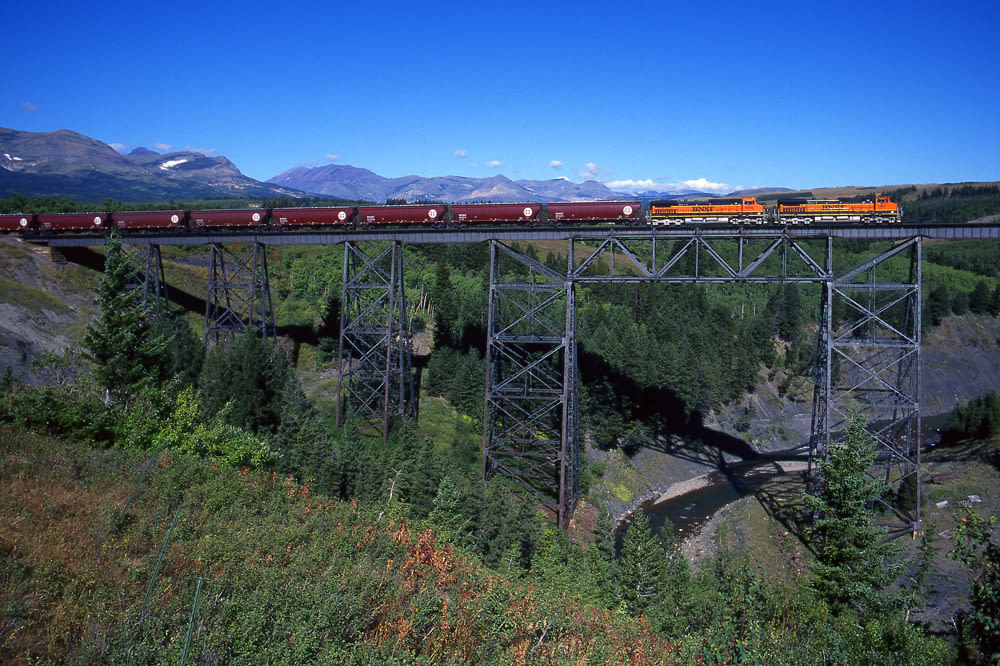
column 687, row 512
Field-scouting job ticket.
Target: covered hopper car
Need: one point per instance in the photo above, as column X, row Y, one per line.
column 17, row 222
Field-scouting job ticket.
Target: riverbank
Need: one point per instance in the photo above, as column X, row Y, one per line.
column 698, row 544
column 684, row 487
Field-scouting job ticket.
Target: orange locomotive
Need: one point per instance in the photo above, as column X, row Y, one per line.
column 737, row 211
column 857, row 209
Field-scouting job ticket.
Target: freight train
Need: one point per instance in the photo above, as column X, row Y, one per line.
column 744, row 210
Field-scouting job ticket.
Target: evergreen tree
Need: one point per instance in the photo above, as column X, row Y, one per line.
column 789, row 315
column 960, row 303
column 670, row 612
column 979, row 301
column 303, row 447
column 994, row 306
column 250, row 373
column 423, row 478
column 855, row 561
column 448, row 516
column 938, row 305
column 570, row 569
column 604, row 543
column 642, row 567
column 186, row 352
column 128, row 351
column 444, row 306
column 506, row 530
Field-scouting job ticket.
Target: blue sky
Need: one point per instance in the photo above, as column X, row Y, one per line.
column 634, row 94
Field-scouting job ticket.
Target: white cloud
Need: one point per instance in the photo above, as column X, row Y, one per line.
column 555, row 164
column 706, row 185
column 119, row 147
column 330, row 157
column 493, row 164
column 28, row 107
column 590, row 171
column 697, row 184
column 162, row 147
column 460, row 154
column 630, row 184
column 203, row 151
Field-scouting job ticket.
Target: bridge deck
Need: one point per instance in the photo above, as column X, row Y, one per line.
column 969, row 231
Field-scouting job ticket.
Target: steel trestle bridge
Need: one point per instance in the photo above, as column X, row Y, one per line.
column 867, row 350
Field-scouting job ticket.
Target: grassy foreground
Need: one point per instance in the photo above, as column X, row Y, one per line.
column 255, row 569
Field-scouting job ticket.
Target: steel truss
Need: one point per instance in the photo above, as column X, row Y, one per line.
column 531, row 411
column 374, row 357
column 150, row 280
column 239, row 296
column 697, row 257
column 868, row 359
column 868, row 362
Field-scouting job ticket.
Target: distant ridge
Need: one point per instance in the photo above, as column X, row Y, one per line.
column 66, row 164
column 349, row 182
column 344, row 181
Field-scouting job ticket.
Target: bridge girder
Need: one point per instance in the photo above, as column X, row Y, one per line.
column 239, row 294
column 868, row 362
column 375, row 379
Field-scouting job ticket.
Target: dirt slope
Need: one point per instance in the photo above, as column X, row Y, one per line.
column 44, row 305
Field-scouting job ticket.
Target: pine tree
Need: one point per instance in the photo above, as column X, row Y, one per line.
column 444, row 306
column 303, row 446
column 186, row 352
column 855, row 561
column 250, row 373
column 979, row 301
column 127, row 350
column 423, row 477
column 642, row 567
column 447, row 516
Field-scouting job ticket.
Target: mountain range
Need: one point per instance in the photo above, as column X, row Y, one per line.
column 64, row 163
column 349, row 182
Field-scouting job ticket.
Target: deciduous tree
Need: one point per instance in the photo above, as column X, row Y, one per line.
column 977, row 549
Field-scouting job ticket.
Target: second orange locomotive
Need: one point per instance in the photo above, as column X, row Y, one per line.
column 866, row 209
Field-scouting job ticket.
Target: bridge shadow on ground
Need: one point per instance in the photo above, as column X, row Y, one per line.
column 776, row 478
